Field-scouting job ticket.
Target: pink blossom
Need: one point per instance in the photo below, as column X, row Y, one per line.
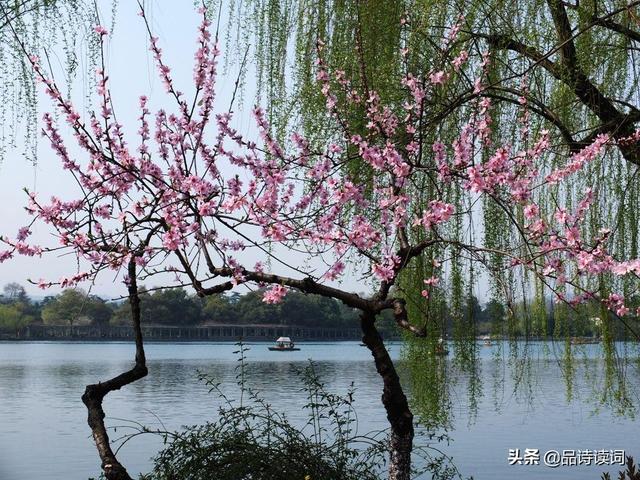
column 579, row 160
column 172, row 239
column 438, row 212
column 573, row 236
column 384, row 272
column 23, row 233
column 274, row 295
column 335, row 271
column 561, row 216
column 438, row 78
column 100, row 30
column 531, row 211
column 548, row 270
column 622, row 311
column 623, row 268
column 460, row 60
column 537, row 228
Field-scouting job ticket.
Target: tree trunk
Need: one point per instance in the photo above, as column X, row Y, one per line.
column 94, row 394
column 394, row 401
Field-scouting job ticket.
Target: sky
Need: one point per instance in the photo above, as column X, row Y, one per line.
column 131, row 74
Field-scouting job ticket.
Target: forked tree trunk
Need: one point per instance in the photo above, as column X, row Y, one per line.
column 394, row 401
column 94, row 394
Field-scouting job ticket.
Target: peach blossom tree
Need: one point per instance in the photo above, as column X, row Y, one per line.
column 197, row 203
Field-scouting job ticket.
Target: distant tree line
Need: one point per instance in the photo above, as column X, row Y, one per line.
column 170, row 307
column 176, row 307
column 541, row 319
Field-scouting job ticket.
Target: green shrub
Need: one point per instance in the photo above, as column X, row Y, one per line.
column 251, row 441
column 631, row 472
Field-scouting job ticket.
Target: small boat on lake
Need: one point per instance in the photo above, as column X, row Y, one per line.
column 486, row 341
column 284, row 344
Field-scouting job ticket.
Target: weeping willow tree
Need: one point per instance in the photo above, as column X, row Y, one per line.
column 569, row 67
column 57, row 29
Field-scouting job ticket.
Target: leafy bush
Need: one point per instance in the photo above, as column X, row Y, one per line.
column 631, row 473
column 252, row 441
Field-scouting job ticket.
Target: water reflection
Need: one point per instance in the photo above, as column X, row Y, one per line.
column 602, row 377
column 429, row 385
column 514, row 394
column 485, row 398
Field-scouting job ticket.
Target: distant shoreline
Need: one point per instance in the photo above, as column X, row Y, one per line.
column 221, row 332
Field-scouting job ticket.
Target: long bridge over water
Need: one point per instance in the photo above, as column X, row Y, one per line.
column 217, row 332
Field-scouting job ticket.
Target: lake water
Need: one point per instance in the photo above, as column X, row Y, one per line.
column 534, row 400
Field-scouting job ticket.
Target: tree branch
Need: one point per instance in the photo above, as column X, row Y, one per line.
column 402, row 318
column 568, row 71
column 306, row 285
column 616, row 27
column 94, row 394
